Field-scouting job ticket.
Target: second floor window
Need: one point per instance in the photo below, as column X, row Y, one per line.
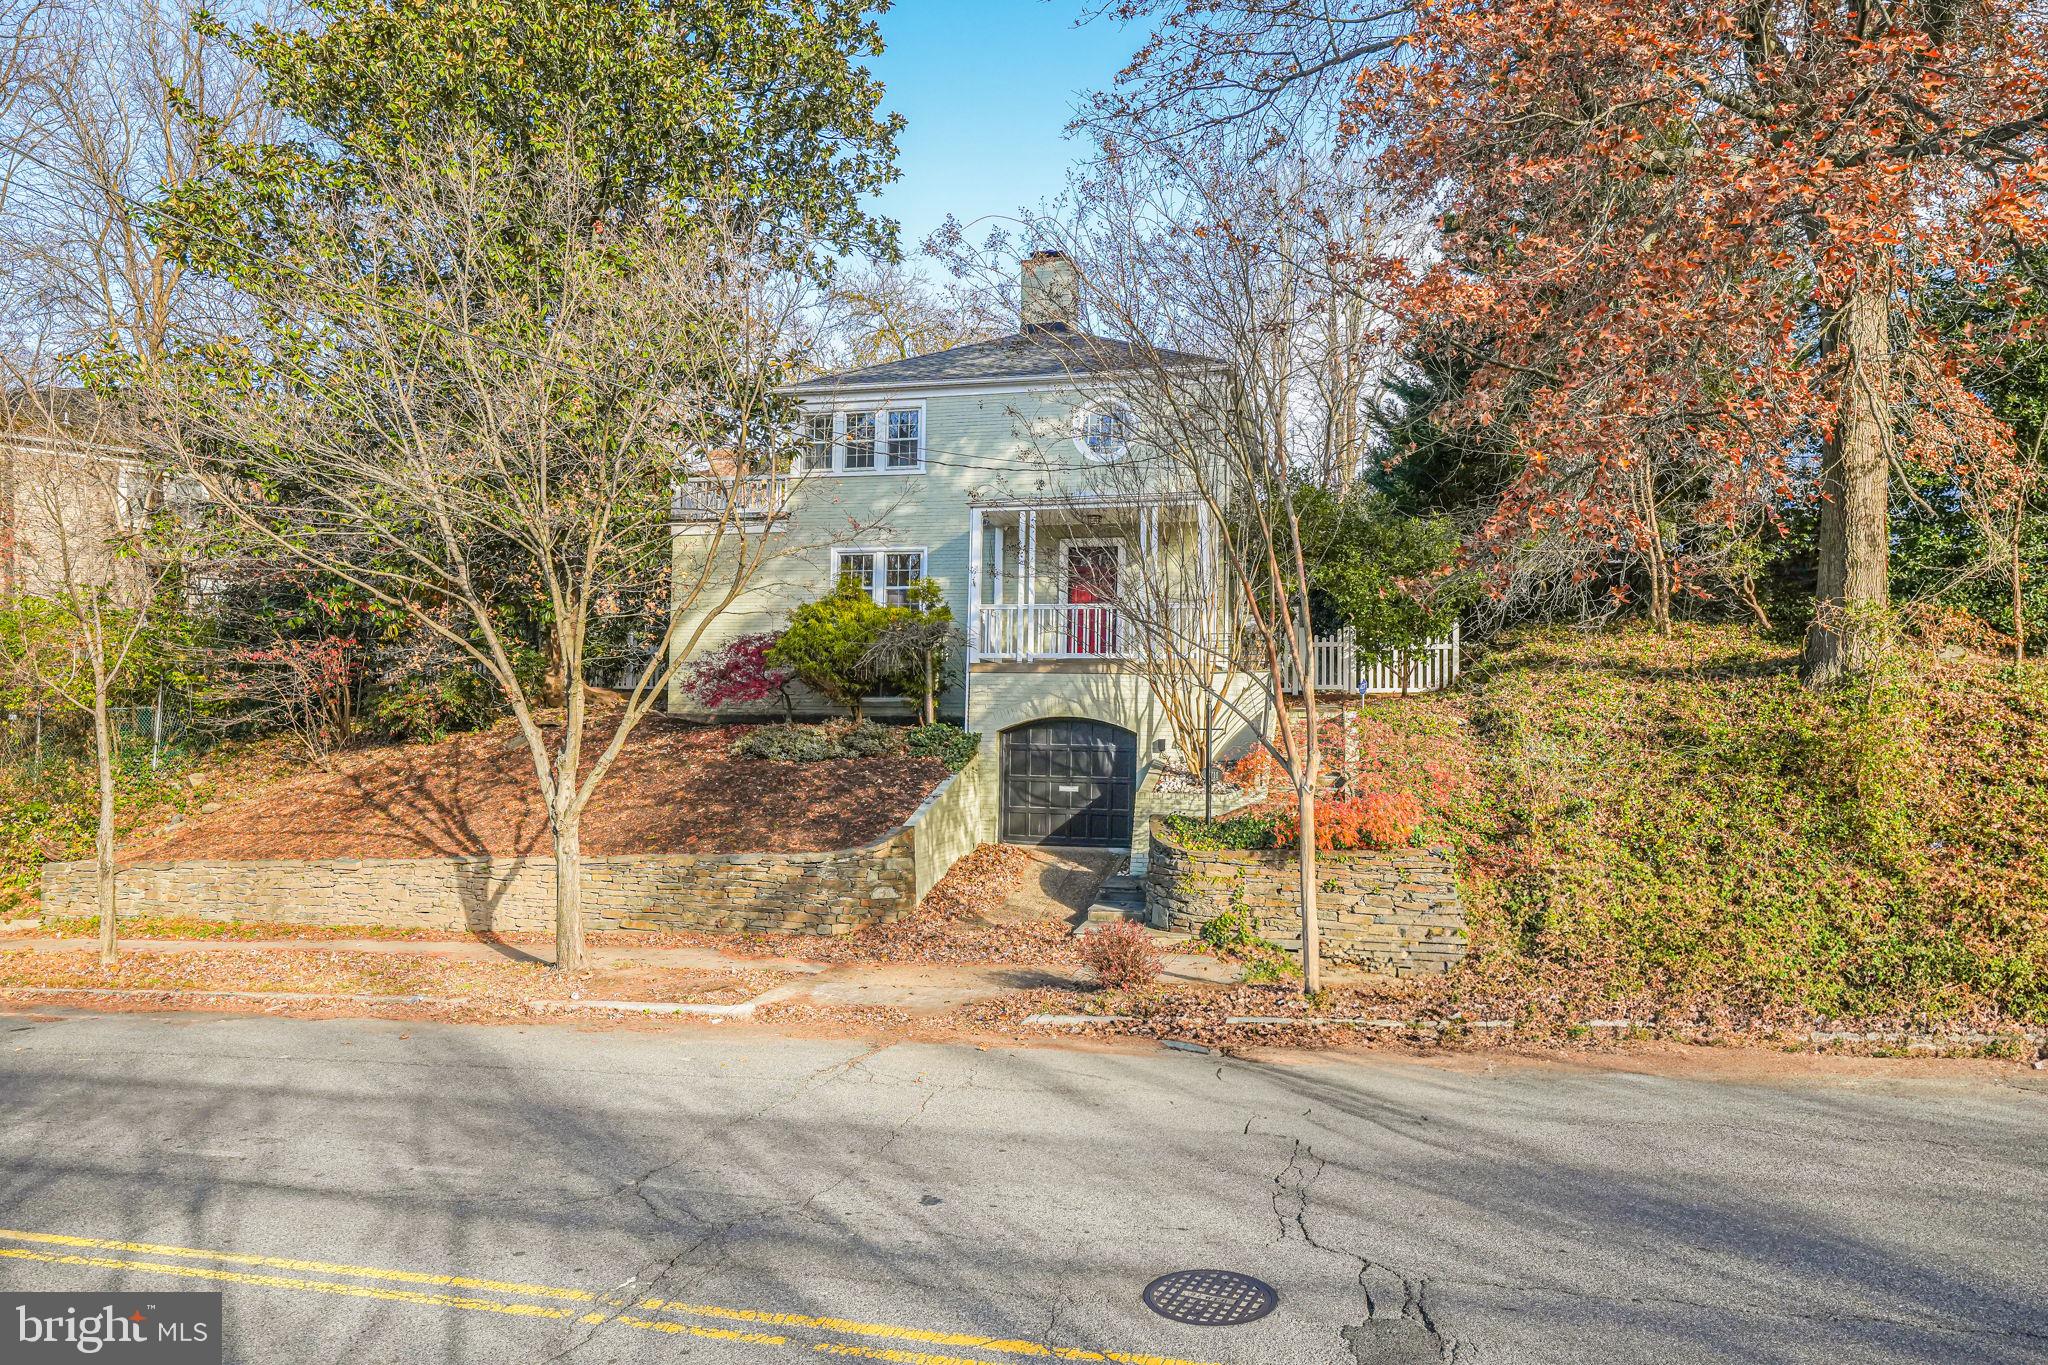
column 1105, row 432
column 860, row 441
column 905, row 449
column 818, row 441
column 886, row 440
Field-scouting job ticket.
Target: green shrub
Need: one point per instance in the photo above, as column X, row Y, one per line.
column 867, row 738
column 816, row 743
column 829, row 645
column 950, row 744
column 1250, row 831
column 789, row 744
column 424, row 708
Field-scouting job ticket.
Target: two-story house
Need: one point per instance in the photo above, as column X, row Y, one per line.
column 1010, row 472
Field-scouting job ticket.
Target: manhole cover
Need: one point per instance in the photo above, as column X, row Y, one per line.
column 1210, row 1298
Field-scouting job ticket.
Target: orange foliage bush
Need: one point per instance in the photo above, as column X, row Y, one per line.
column 1369, row 820
column 1251, row 772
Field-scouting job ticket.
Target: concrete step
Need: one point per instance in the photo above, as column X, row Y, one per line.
column 1121, row 890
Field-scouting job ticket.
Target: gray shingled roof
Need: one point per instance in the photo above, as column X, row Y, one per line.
column 1053, row 349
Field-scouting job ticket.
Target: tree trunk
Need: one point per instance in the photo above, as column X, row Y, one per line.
column 103, row 837
column 1855, row 488
column 1655, row 553
column 569, row 892
column 1311, row 755
column 2019, row 606
column 1311, row 935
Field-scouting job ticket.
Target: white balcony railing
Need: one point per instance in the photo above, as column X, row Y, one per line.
column 751, row 497
column 1083, row 630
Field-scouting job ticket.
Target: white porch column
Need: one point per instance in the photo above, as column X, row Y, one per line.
column 1030, row 594
column 973, row 584
column 1205, row 587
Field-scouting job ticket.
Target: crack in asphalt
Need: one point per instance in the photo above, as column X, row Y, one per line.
column 648, row 1282
column 657, row 1270
column 1409, row 1332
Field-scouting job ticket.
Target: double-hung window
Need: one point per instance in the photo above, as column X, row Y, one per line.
column 818, row 441
column 886, row 574
column 858, row 453
column 906, row 444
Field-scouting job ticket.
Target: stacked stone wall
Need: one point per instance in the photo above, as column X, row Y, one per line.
column 1394, row 911
column 794, row 893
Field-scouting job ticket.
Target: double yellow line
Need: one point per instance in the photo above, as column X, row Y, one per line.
column 580, row 1304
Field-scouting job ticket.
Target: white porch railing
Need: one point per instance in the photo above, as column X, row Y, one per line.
column 1425, row 668
column 1025, row 631
column 749, row 498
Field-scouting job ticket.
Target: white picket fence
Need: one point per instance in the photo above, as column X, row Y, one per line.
column 1425, row 668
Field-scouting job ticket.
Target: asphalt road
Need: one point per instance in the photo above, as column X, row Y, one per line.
column 371, row 1192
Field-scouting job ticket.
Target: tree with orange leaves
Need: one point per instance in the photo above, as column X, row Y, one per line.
column 1700, row 231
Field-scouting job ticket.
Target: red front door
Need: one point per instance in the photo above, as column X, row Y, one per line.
column 1091, row 599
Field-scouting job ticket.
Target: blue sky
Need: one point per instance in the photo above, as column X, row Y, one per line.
column 987, row 87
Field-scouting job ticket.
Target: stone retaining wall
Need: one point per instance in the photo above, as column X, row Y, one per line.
column 1395, row 911
column 794, row 893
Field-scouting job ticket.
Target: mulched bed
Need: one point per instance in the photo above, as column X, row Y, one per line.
column 675, row 789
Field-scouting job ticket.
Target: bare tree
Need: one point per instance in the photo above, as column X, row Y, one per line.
column 459, row 435
column 883, row 311
column 108, row 104
column 1233, row 292
column 88, row 553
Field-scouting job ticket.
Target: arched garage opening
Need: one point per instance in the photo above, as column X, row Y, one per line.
column 1069, row 782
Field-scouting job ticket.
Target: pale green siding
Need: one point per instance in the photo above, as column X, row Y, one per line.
column 981, row 447
column 988, row 444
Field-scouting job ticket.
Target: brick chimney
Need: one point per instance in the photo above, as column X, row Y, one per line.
column 1050, row 291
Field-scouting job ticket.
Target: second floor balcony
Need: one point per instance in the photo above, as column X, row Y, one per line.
column 712, row 498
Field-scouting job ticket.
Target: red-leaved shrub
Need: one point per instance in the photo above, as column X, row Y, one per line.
column 1121, row 954
column 1368, row 820
column 1253, row 772
column 739, row 674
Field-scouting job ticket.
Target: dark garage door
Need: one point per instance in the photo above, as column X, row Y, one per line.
column 1068, row 781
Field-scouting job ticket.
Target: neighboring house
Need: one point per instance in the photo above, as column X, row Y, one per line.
column 71, row 493
column 1007, row 471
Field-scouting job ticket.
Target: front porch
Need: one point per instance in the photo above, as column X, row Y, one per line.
column 1090, row 581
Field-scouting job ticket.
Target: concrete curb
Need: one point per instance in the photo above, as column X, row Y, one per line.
column 742, row 1010
column 316, row 997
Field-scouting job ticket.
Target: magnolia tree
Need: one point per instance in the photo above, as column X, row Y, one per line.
column 477, row 392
